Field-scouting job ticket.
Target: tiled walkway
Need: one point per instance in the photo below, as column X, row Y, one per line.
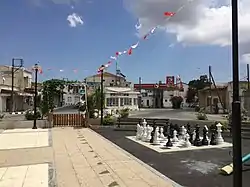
column 75, row 158
column 83, row 158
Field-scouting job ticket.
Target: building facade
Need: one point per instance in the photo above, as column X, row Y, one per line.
column 73, row 93
column 23, row 99
column 117, row 98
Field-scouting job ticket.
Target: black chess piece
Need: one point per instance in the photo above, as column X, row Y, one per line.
column 153, row 132
column 213, row 138
column 171, row 133
column 204, row 139
column 188, row 128
column 197, row 140
column 191, row 134
column 166, row 128
column 169, row 143
column 177, row 128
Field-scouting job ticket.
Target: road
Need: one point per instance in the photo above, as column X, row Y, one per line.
column 185, row 114
column 66, row 110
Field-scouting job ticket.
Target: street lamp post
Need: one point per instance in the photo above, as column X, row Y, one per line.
column 102, row 102
column 14, row 68
column 236, row 106
column 35, row 97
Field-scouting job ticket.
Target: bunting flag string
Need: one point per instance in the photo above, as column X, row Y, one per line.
column 41, row 70
column 129, row 51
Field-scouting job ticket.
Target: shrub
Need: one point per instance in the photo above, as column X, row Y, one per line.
column 223, row 128
column 29, row 115
column 201, row 116
column 108, row 120
column 1, row 116
column 176, row 102
column 124, row 113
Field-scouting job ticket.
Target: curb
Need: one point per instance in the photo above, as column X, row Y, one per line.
column 15, row 113
column 175, row 184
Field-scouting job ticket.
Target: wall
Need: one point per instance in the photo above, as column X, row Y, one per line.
column 75, row 98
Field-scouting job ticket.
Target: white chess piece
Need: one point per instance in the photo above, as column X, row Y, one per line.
column 138, row 133
column 187, row 142
column 219, row 139
column 149, row 131
column 184, row 133
column 156, row 135
column 141, row 132
column 194, row 135
column 144, row 133
column 175, row 139
column 161, row 136
column 144, row 123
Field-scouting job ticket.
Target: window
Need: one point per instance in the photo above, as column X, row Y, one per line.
column 69, row 99
column 129, row 101
column 112, row 101
column 111, row 84
column 121, row 101
column 135, row 101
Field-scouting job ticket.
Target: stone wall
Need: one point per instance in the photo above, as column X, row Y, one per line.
column 18, row 124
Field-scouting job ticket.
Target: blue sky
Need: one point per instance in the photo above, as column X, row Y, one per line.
column 41, row 33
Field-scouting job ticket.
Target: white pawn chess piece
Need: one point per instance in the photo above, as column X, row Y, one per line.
column 149, row 131
column 156, row 135
column 161, row 136
column 187, row 142
column 219, row 139
column 175, row 139
column 138, row 133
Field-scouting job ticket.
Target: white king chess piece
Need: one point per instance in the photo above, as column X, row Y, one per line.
column 219, row 139
column 156, row 135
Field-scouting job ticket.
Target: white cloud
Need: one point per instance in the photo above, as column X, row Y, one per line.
column 74, row 19
column 200, row 22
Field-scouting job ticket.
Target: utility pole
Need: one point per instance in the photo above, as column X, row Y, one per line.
column 35, row 97
column 210, row 88
column 140, row 96
column 14, row 68
column 102, row 93
column 248, row 83
column 236, row 106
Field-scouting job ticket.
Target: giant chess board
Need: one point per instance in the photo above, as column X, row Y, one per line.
column 177, row 146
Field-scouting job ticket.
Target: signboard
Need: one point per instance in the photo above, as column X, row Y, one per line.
column 170, row 80
column 81, row 91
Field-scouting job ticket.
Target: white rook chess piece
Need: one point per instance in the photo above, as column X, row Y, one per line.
column 219, row 139
column 156, row 135
column 138, row 133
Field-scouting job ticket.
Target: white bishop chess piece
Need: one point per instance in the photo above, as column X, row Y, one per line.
column 187, row 142
column 149, row 131
column 138, row 132
column 156, row 135
column 175, row 139
column 161, row 135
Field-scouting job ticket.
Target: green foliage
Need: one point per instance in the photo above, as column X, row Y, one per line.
column 176, row 102
column 223, row 128
column 201, row 116
column 97, row 99
column 108, row 120
column 196, row 85
column 51, row 88
column 124, row 113
column 29, row 115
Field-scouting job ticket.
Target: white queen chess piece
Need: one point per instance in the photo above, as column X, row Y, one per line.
column 219, row 139
column 156, row 135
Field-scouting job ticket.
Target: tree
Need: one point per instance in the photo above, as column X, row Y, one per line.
column 97, row 99
column 51, row 89
column 196, row 85
column 176, row 102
